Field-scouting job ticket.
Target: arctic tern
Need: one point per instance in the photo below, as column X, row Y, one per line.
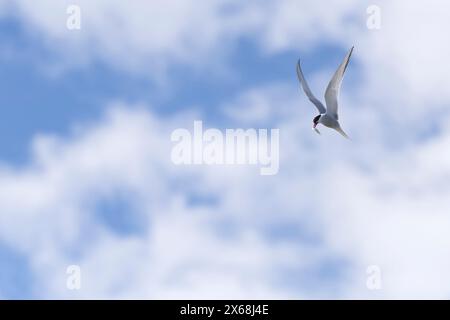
column 328, row 116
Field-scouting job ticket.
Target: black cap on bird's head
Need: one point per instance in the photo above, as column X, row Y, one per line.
column 316, row 121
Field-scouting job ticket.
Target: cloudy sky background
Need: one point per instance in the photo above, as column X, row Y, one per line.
column 85, row 170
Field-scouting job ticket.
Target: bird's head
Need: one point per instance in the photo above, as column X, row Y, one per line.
column 316, row 121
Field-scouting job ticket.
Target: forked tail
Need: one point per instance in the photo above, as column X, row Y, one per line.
column 338, row 129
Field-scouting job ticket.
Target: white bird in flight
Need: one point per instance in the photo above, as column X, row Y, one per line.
column 329, row 116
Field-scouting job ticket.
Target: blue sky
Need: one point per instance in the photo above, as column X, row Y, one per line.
column 86, row 176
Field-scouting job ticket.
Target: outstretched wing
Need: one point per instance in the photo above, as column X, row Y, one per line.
column 332, row 92
column 308, row 92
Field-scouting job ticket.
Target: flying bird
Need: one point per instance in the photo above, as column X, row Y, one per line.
column 327, row 116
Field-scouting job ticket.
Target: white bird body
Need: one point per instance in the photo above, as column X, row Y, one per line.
column 328, row 116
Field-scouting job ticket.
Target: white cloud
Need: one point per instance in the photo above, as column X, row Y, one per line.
column 395, row 216
column 302, row 25
column 389, row 214
column 141, row 36
column 149, row 36
column 183, row 250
